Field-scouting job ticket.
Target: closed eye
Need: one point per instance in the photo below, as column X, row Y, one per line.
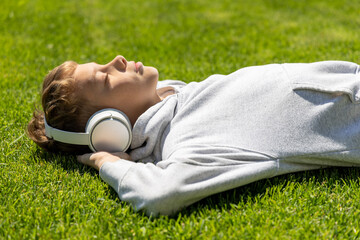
column 106, row 81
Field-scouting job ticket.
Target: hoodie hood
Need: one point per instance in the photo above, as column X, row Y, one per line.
column 148, row 130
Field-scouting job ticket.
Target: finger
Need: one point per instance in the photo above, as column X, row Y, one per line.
column 84, row 159
column 79, row 158
column 122, row 155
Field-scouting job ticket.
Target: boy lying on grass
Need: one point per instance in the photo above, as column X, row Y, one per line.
column 193, row 140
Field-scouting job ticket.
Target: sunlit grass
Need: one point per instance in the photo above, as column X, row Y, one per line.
column 44, row 196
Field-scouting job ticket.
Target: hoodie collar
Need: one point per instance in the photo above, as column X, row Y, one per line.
column 149, row 127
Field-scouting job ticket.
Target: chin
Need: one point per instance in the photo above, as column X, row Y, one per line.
column 151, row 73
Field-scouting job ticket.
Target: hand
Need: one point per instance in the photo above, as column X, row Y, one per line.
column 96, row 160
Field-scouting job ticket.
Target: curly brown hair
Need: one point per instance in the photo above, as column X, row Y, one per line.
column 63, row 108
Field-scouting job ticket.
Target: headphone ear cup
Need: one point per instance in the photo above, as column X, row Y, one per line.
column 109, row 130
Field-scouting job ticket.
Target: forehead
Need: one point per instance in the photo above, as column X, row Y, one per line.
column 85, row 72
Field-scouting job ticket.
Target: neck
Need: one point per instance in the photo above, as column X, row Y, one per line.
column 165, row 91
column 134, row 115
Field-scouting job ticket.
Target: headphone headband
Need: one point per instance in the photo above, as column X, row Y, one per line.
column 65, row 136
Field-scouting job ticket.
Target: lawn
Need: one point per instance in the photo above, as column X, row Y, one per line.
column 45, row 196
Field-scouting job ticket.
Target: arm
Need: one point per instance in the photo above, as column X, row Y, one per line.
column 165, row 189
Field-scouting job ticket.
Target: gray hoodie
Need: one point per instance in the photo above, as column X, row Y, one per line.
column 231, row 130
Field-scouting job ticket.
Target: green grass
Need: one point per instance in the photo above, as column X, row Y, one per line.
column 44, row 196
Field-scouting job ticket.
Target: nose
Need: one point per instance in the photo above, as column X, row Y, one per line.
column 119, row 62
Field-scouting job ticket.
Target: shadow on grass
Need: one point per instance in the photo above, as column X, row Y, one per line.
column 225, row 200
column 66, row 161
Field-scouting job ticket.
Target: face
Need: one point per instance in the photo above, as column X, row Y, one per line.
column 127, row 86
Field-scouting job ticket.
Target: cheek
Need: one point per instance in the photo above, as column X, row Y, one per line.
column 88, row 92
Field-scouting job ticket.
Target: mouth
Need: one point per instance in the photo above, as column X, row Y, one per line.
column 139, row 67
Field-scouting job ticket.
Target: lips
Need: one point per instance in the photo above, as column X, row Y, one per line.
column 139, row 67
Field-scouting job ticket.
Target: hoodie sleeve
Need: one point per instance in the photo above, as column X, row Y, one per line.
column 169, row 188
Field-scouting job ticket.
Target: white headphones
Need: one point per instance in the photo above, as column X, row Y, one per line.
column 106, row 130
